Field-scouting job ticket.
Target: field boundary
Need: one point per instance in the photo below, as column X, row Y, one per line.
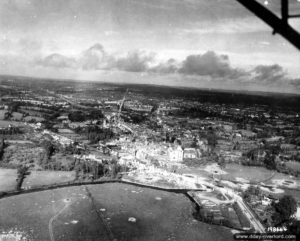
column 74, row 184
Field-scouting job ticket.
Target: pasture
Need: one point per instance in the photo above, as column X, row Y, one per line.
column 16, row 154
column 38, row 178
column 2, row 114
column 106, row 212
column 17, row 116
column 257, row 174
column 6, row 123
column 293, row 165
column 34, row 118
column 252, row 174
column 7, row 179
column 66, row 213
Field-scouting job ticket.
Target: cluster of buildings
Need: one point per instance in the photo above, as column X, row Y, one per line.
column 62, row 140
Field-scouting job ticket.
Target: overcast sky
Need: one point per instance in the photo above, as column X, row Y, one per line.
column 199, row 43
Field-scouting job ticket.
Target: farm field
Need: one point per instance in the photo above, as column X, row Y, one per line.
column 7, row 179
column 17, row 154
column 38, row 178
column 293, row 165
column 2, row 114
column 36, row 118
column 160, row 215
column 233, row 171
column 105, row 212
column 282, row 178
column 254, row 174
column 67, row 214
column 195, row 171
column 17, row 116
column 4, row 123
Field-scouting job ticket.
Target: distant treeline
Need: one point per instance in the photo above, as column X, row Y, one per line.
column 286, row 101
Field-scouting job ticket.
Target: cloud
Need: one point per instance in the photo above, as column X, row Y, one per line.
column 268, row 73
column 206, row 66
column 295, row 83
column 93, row 58
column 169, row 67
column 137, row 61
column 209, row 64
column 96, row 58
column 57, row 61
column 207, row 70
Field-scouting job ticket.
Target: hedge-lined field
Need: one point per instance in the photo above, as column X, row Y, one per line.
column 88, row 214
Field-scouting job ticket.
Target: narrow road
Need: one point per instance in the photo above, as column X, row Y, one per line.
column 100, row 215
column 269, row 178
column 50, row 225
column 248, row 212
column 256, row 223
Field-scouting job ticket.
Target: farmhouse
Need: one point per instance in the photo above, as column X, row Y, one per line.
column 191, row 153
column 175, row 153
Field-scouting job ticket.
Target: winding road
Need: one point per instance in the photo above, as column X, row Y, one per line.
column 50, row 225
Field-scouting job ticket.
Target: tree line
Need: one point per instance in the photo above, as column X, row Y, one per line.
column 80, row 116
column 95, row 133
column 2, row 146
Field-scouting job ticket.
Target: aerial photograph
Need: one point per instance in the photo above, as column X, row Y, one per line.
column 149, row 120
